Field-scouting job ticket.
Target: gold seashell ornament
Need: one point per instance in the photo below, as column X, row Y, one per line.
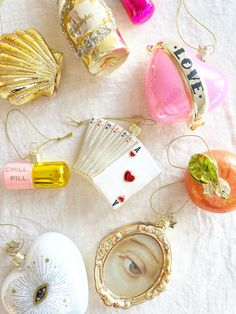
column 28, row 67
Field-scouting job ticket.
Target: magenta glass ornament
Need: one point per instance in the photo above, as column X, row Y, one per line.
column 139, row 11
column 169, row 98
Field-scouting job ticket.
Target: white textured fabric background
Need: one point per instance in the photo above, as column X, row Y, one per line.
column 204, row 245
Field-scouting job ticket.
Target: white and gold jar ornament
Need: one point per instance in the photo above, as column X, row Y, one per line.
column 92, row 32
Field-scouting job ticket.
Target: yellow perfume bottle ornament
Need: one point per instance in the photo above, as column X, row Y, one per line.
column 28, row 67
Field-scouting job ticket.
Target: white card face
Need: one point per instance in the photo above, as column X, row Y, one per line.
column 104, row 142
column 127, row 175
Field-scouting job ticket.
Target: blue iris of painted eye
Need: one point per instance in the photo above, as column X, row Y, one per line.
column 130, row 266
column 134, row 269
column 41, row 294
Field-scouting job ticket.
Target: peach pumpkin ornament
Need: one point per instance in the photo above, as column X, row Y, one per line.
column 211, row 181
column 210, row 178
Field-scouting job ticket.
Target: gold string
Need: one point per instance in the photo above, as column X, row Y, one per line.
column 76, row 122
column 170, row 212
column 137, row 120
column 48, row 139
column 185, row 136
column 212, row 46
column 22, row 237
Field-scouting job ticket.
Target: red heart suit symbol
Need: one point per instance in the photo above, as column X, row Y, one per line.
column 129, row 177
column 121, row 199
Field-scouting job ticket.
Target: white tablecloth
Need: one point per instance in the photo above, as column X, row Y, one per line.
column 204, row 245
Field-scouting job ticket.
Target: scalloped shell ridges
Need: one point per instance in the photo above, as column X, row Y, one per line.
column 28, row 67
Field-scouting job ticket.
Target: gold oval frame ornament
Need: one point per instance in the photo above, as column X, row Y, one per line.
column 105, row 247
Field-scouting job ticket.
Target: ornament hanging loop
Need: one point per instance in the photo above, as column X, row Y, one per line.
column 137, row 120
column 140, row 121
column 176, row 139
column 76, row 122
column 134, row 128
column 203, row 50
column 166, row 220
column 13, row 248
column 36, row 148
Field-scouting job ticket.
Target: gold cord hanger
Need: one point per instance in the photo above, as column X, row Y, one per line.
column 13, row 248
column 76, row 122
column 169, row 212
column 176, row 139
column 166, row 219
column 202, row 50
column 137, row 120
column 32, row 149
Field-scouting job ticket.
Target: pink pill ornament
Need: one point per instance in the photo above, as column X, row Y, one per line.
column 139, row 11
column 33, row 172
column 180, row 86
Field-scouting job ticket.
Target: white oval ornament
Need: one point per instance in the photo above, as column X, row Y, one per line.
column 52, row 280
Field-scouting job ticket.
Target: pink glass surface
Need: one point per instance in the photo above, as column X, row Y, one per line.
column 18, row 176
column 168, row 98
column 139, row 11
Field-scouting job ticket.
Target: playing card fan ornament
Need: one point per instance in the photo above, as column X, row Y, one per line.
column 50, row 278
column 114, row 160
column 29, row 68
column 210, row 179
column 92, row 33
column 133, row 263
column 180, row 86
column 36, row 174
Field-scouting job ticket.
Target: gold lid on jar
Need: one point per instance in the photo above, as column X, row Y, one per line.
column 91, row 31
